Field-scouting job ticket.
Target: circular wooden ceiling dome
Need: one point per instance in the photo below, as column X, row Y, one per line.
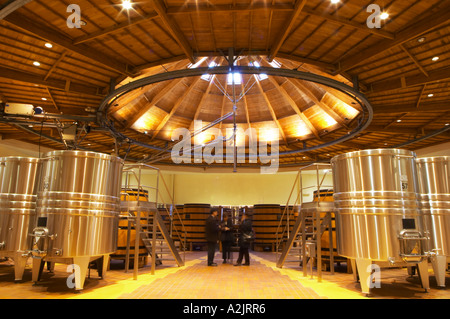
column 297, row 110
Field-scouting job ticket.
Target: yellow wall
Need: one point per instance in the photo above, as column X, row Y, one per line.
column 229, row 189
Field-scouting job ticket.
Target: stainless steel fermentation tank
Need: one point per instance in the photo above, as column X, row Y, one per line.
column 378, row 219
column 434, row 189
column 78, row 203
column 18, row 187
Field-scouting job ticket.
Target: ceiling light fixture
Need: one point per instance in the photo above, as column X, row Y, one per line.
column 44, row 99
column 49, row 45
column 430, row 95
column 384, row 15
column 36, row 63
column 335, row 1
column 435, row 58
column 126, row 4
column 421, row 39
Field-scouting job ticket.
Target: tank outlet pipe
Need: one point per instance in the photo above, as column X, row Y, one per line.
column 41, row 243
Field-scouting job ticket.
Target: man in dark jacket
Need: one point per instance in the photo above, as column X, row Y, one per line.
column 212, row 235
column 245, row 234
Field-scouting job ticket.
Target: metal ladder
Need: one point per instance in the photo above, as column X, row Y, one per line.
column 153, row 233
column 304, row 241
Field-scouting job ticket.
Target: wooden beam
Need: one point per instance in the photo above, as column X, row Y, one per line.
column 51, row 83
column 114, row 28
column 52, row 99
column 174, row 29
column 61, row 57
column 413, row 80
column 175, row 107
column 410, row 32
column 411, row 108
column 317, row 101
column 299, row 4
column 58, row 38
column 295, row 107
column 269, row 106
column 413, row 58
column 166, row 89
column 343, row 21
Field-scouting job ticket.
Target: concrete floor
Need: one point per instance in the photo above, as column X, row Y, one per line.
column 261, row 280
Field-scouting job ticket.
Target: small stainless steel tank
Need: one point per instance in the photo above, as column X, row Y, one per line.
column 78, row 204
column 377, row 209
column 434, row 188
column 18, row 187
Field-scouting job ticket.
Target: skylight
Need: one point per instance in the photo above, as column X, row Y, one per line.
column 261, row 76
column 236, row 76
column 207, row 77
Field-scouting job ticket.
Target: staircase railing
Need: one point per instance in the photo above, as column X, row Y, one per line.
column 156, row 217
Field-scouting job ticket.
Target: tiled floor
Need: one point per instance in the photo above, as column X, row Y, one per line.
column 261, row 280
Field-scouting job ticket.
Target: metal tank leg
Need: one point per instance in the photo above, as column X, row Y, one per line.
column 19, row 265
column 354, row 270
column 422, row 268
column 362, row 266
column 439, row 264
column 38, row 266
column 83, row 264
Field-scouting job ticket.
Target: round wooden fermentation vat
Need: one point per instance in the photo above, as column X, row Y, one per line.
column 194, row 219
column 129, row 195
column 326, row 195
column 265, row 219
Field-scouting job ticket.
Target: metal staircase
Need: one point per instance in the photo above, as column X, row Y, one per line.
column 302, row 243
column 147, row 221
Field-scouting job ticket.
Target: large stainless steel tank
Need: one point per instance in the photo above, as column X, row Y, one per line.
column 377, row 209
column 434, row 188
column 78, row 204
column 18, row 187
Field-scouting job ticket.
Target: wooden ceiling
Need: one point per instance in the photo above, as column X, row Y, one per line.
column 392, row 65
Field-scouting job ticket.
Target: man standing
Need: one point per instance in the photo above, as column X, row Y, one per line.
column 212, row 235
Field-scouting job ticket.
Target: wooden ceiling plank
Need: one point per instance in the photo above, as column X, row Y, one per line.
column 410, row 32
column 299, row 4
column 409, row 81
column 343, row 21
column 10, row 6
column 55, row 37
column 114, row 28
column 413, row 58
column 317, row 101
column 174, row 29
column 52, row 83
column 167, row 88
column 272, row 112
column 175, row 108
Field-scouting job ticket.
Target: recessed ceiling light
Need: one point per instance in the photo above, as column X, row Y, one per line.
column 398, row 121
column 421, row 39
column 49, row 45
column 384, row 15
column 335, row 1
column 44, row 99
column 36, row 63
column 126, row 4
column 430, row 95
column 447, row 124
column 435, row 58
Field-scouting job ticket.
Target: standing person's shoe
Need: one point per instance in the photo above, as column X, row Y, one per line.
column 213, row 264
column 238, row 264
column 224, row 261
